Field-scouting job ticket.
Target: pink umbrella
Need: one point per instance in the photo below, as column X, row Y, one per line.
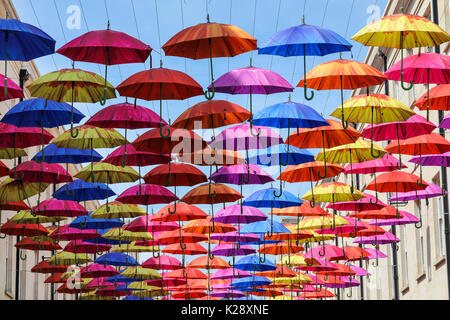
column 374, row 253
column 422, row 68
column 235, row 236
column 59, row 208
column 385, row 238
column 96, row 270
column 323, row 265
column 230, row 273
column 107, row 47
column 353, row 226
column 234, row 214
column 250, row 81
column 80, row 246
column 227, row 294
column 125, row 116
column 330, row 252
column 407, row 218
column 360, row 272
column 68, row 233
column 99, row 283
column 146, row 194
column 135, row 157
column 13, row 92
column 367, row 203
column 163, row 262
column 145, row 224
column 240, row 174
column 431, row 191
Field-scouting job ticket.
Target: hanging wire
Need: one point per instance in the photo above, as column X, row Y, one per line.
column 254, row 23
column 182, row 28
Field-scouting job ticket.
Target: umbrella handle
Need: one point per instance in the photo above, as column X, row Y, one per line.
column 275, row 194
column 139, row 193
column 349, row 295
column 324, row 158
column 251, row 129
column 376, row 154
column 157, row 255
column 401, row 59
column 84, row 224
column 323, row 247
column 305, row 90
column 174, row 208
column 418, row 225
column 22, row 257
column 161, row 132
column 123, row 161
column 209, row 96
column 320, row 286
column 102, row 99
column 3, row 235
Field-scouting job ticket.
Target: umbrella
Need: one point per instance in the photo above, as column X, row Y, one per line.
column 71, row 85
column 148, row 194
column 38, row 243
column 251, row 80
column 160, row 84
column 42, row 113
column 107, row 47
column 436, row 99
column 26, row 42
column 14, row 190
column 305, row 209
column 10, row 153
column 126, row 116
column 423, row 68
column 373, row 109
column 24, row 137
column 59, row 208
column 163, row 262
column 208, row 40
column 402, row 31
column 175, row 174
column 118, row 210
column 342, row 74
column 329, row 136
column 429, row 192
column 80, row 246
column 116, row 259
column 209, row 156
column 306, row 40
column 431, row 143
column 358, row 151
column 80, row 190
column 285, row 115
column 68, row 258
column 211, row 114
column 253, row 263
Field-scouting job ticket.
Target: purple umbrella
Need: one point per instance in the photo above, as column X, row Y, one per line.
column 230, row 273
column 348, row 282
column 445, row 122
column 234, row 236
column 406, row 219
column 250, row 81
column 239, row 137
column 227, row 294
column 236, row 174
column 360, row 272
column 230, row 250
column 234, row 214
column 430, row 192
column 385, row 238
column 374, row 253
column 437, row 160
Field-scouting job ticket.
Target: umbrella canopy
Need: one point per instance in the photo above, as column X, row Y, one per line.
column 14, row 190
column 233, row 214
column 175, row 174
column 333, row 192
column 103, row 172
column 184, row 212
column 80, row 190
column 32, row 171
column 135, row 158
column 211, row 114
column 90, row 137
column 202, row 194
column 53, row 154
column 241, row 174
column 16, row 137
column 118, row 210
column 146, row 194
column 438, row 98
column 38, row 243
column 265, row 199
column 116, row 259
column 59, row 208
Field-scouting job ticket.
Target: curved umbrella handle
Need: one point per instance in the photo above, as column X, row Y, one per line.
column 305, row 90
column 344, row 123
column 349, row 295
column 23, row 257
column 161, row 131
column 251, row 130
column 418, row 225
column 374, row 154
column 84, row 224
column 322, row 254
column 73, row 135
column 174, row 208
column 157, row 255
column 406, row 88
column 277, row 195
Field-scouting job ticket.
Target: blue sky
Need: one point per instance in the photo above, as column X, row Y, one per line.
column 155, row 24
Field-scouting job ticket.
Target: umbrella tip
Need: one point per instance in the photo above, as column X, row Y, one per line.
column 207, row 17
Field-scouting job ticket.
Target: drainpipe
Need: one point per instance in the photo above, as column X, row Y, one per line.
column 443, row 170
column 23, row 76
column 393, row 231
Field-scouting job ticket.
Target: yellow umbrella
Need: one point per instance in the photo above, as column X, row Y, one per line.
column 125, row 235
column 66, row 258
column 142, row 285
column 140, row 273
column 333, row 192
column 314, row 223
column 72, row 85
column 373, row 109
column 359, row 151
column 25, row 216
column 297, row 260
column 94, row 296
column 132, row 247
column 158, row 292
column 299, row 279
column 118, row 210
column 402, row 31
column 8, row 153
column 12, row 190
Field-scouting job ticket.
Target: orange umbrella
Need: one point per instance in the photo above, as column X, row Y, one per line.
column 209, row 157
column 211, row 114
column 280, row 248
column 322, row 293
column 185, row 212
column 304, row 210
column 204, row 262
column 387, row 212
column 203, row 226
column 431, row 143
column 209, row 40
column 439, row 98
column 324, row 137
column 342, row 74
column 280, row 271
column 168, row 237
column 211, row 193
column 189, row 249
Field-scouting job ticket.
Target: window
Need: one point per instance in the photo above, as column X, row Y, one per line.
column 9, row 266
column 404, row 257
column 419, row 240
column 438, row 218
column 36, row 279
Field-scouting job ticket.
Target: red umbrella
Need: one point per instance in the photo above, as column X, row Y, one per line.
column 107, row 47
column 45, row 267
column 160, row 84
column 55, row 278
column 125, row 116
column 179, row 141
column 37, row 244
column 26, row 230
column 185, row 212
column 438, row 98
column 24, row 137
column 14, row 206
column 32, row 171
column 162, row 262
column 4, row 171
column 80, row 246
column 146, row 194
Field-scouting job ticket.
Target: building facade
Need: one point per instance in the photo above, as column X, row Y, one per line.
column 421, row 254
column 30, row 285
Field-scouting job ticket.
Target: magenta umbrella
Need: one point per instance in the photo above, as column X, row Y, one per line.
column 107, row 47
column 234, row 214
column 407, row 218
column 385, row 238
column 230, row 273
column 367, row 203
column 80, row 246
column 250, row 81
column 59, row 208
column 360, row 272
column 96, row 270
column 445, row 123
column 163, row 262
column 235, row 236
column 422, row 68
column 67, row 233
column 146, row 194
column 145, row 224
column 125, row 116
column 227, row 294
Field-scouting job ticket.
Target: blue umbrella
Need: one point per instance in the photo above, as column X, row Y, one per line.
column 53, row 154
column 117, row 259
column 83, row 191
column 250, row 282
column 86, row 222
column 131, row 297
column 23, row 42
column 253, row 263
column 305, row 40
column 286, row 115
column 118, row 278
